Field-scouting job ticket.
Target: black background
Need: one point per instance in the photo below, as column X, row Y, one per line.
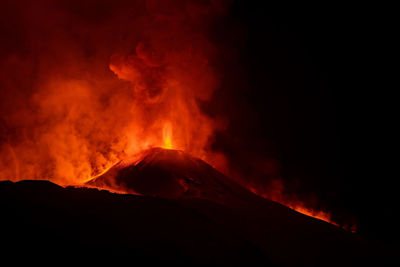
column 317, row 92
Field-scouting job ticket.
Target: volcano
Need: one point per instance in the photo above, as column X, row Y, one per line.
column 175, row 174
column 276, row 230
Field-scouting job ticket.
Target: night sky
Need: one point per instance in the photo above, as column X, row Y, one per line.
column 317, row 87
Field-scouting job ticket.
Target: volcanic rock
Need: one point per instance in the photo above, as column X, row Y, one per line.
column 45, row 223
column 173, row 174
column 184, row 212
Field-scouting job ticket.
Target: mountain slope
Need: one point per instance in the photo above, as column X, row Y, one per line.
column 41, row 220
column 184, row 212
column 174, row 174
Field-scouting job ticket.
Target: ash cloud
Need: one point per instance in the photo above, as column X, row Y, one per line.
column 67, row 110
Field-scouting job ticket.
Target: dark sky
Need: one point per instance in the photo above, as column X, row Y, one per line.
column 318, row 97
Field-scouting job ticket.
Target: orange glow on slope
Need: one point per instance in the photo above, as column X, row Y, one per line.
column 322, row 215
column 296, row 205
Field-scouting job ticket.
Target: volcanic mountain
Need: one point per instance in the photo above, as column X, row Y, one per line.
column 175, row 174
column 182, row 211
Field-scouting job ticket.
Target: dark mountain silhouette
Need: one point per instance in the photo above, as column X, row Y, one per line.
column 173, row 174
column 187, row 213
column 42, row 221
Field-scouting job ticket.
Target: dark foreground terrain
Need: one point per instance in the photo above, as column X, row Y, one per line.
column 47, row 224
